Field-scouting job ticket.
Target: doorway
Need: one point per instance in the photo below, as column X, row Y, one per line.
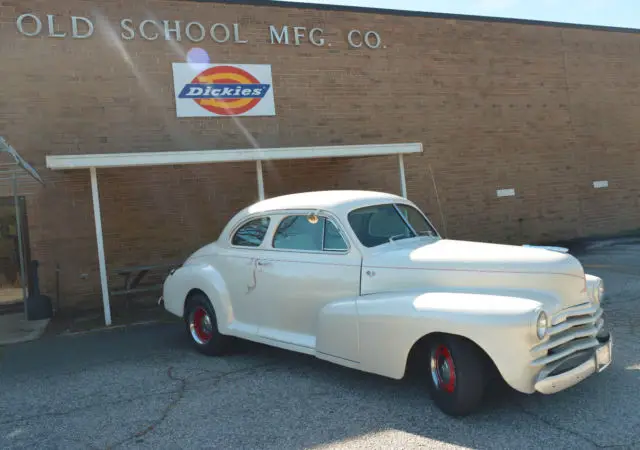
column 12, row 286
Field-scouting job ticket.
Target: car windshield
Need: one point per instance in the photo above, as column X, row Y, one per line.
column 379, row 224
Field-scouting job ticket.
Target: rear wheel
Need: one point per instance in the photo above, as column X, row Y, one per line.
column 456, row 375
column 202, row 327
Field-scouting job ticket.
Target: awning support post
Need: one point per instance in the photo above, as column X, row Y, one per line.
column 260, row 179
column 100, row 241
column 403, row 181
column 23, row 275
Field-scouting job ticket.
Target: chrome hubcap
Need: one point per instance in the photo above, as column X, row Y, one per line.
column 200, row 325
column 443, row 371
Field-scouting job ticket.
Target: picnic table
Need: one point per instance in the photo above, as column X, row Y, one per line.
column 134, row 275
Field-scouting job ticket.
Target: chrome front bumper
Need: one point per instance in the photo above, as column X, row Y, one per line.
column 600, row 360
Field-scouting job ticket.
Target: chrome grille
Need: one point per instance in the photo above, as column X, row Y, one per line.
column 572, row 330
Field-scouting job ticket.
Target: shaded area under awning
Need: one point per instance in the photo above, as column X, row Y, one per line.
column 146, row 159
column 20, row 178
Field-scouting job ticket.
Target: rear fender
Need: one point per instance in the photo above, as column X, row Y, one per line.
column 198, row 277
column 503, row 326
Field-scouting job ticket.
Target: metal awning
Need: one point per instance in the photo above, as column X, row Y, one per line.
column 20, row 178
column 16, row 171
column 104, row 160
column 146, row 159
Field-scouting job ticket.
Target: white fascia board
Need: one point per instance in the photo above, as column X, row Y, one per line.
column 104, row 160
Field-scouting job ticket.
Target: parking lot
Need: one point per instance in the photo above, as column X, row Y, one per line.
column 143, row 387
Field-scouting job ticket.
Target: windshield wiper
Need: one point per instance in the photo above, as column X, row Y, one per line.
column 399, row 236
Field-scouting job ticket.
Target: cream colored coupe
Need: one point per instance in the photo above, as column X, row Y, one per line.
column 362, row 279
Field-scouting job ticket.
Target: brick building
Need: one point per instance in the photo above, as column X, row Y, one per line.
column 544, row 109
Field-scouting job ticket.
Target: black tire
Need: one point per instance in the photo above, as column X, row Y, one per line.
column 456, row 375
column 202, row 327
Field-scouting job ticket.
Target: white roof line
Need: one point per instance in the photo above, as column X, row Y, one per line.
column 102, row 160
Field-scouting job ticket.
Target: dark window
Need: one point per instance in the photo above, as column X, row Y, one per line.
column 379, row 224
column 297, row 232
column 417, row 221
column 251, row 233
column 333, row 240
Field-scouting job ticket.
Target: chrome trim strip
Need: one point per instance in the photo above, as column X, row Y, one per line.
column 570, row 323
column 578, row 334
column 557, row 383
column 572, row 349
column 578, row 310
column 550, row 385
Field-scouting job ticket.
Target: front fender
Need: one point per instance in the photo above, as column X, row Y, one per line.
column 503, row 326
column 337, row 331
column 203, row 277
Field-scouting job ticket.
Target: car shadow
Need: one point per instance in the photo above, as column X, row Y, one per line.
column 370, row 404
column 281, row 399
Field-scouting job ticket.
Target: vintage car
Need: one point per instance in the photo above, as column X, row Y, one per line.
column 363, row 279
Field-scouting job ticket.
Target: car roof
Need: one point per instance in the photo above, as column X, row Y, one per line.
column 333, row 200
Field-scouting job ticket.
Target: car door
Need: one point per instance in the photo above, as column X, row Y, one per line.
column 310, row 263
column 238, row 265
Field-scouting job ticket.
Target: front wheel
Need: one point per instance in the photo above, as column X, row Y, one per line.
column 456, row 375
column 202, row 327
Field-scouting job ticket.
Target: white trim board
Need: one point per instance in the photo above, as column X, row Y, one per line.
column 103, row 160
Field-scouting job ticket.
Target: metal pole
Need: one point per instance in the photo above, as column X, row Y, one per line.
column 100, row 241
column 403, row 181
column 260, row 179
column 23, row 280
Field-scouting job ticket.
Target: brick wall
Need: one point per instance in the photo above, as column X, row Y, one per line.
column 545, row 110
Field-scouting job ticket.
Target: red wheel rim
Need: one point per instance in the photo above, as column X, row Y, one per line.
column 200, row 325
column 443, row 370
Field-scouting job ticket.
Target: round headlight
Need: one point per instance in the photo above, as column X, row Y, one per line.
column 542, row 325
column 600, row 291
column 597, row 292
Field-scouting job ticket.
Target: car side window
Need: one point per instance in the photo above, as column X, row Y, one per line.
column 333, row 240
column 252, row 233
column 297, row 232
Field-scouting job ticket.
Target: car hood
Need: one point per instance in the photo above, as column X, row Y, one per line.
column 454, row 265
column 447, row 254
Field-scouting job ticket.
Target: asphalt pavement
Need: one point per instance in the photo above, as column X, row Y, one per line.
column 144, row 387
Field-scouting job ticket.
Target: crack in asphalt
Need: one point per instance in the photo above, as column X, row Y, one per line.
column 154, row 393
column 217, row 376
column 184, row 383
column 109, row 363
column 575, row 433
column 172, row 404
column 557, row 427
column 82, row 408
column 80, row 398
